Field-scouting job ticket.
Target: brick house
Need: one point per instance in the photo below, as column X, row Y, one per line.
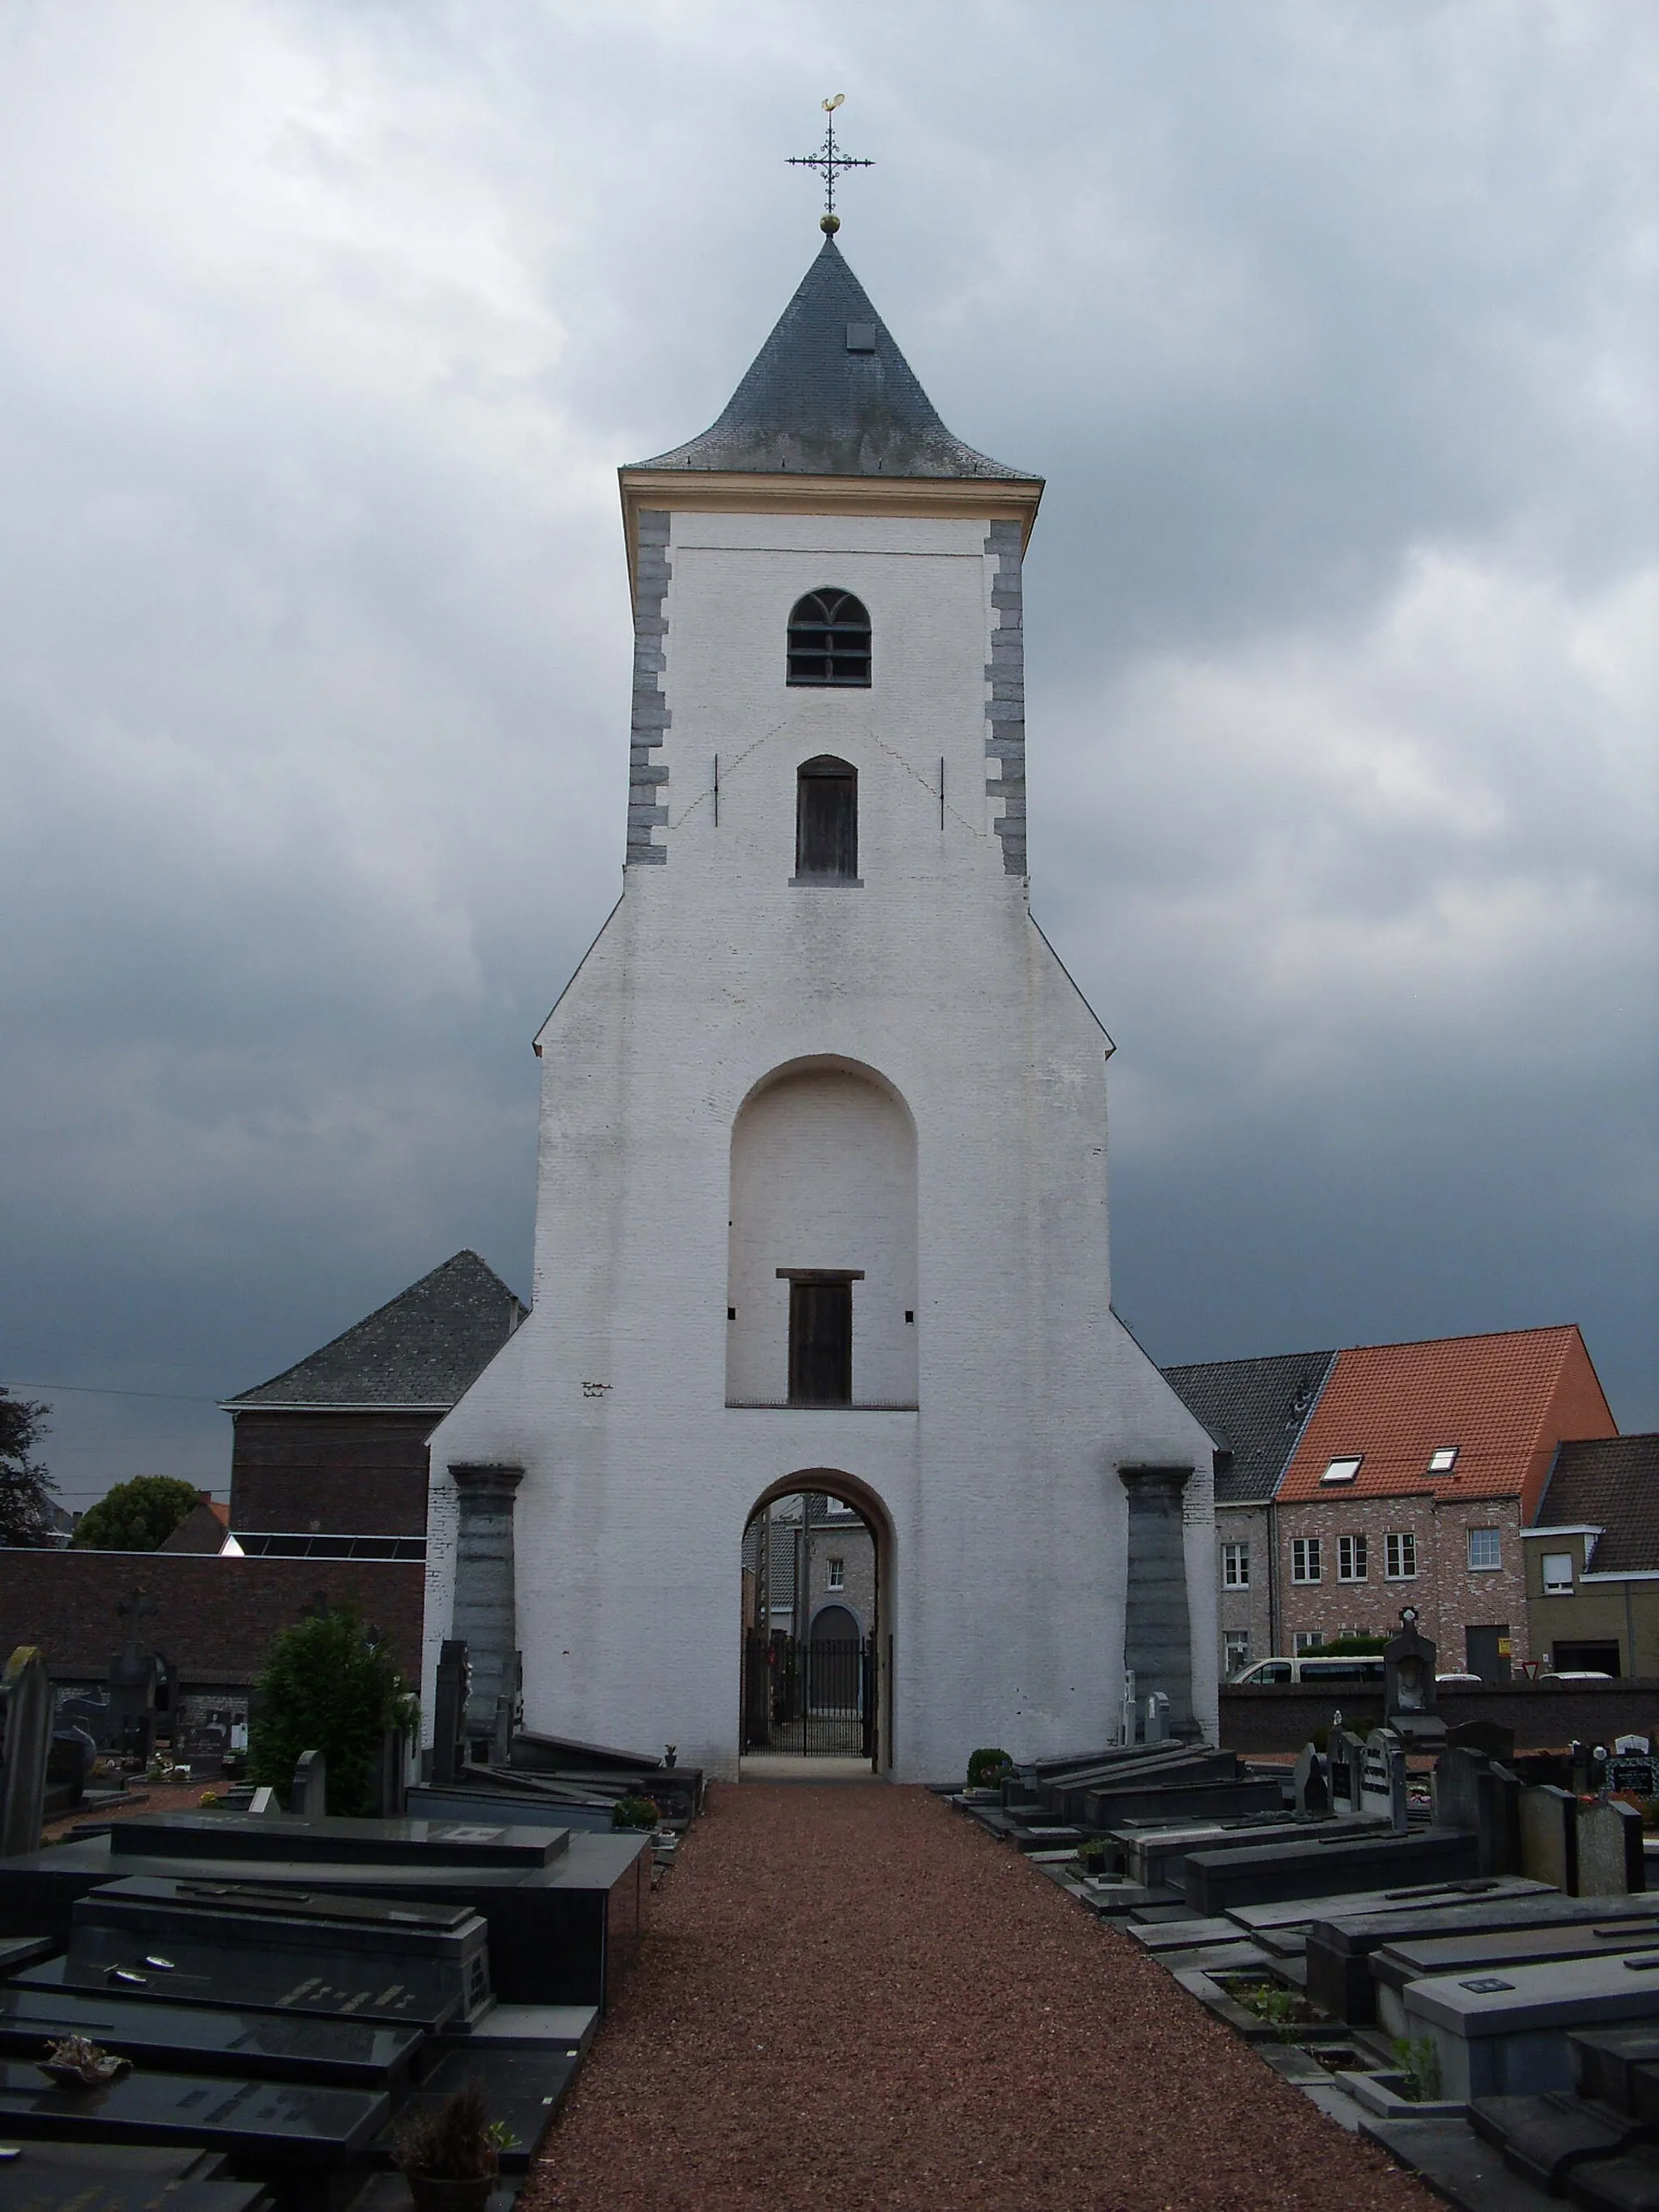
column 819, row 1558
column 1592, row 1558
column 1411, row 1483
column 328, row 1458
column 1254, row 1410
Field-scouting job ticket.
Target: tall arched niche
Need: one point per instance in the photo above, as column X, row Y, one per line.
column 823, row 1182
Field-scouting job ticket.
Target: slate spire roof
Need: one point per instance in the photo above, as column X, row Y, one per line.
column 421, row 1353
column 829, row 394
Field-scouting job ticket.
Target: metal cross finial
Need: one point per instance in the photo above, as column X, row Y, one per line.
column 829, row 161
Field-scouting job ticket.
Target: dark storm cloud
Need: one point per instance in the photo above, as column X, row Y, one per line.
column 322, row 332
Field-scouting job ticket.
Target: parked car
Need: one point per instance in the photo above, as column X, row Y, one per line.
column 1312, row 1671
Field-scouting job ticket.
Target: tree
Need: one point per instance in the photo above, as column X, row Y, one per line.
column 137, row 1515
column 327, row 1686
column 26, row 1507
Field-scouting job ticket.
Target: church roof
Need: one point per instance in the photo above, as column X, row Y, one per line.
column 420, row 1352
column 1256, row 1410
column 829, row 394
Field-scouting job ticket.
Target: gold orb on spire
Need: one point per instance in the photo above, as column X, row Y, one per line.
column 829, row 224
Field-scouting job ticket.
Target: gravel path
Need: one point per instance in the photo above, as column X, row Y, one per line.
column 851, row 1997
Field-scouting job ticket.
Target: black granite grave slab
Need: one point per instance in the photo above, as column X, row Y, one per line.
column 340, row 1843
column 1396, row 1964
column 283, row 2121
column 1198, row 1801
column 1606, row 2058
column 531, row 1810
column 17, row 1952
column 559, row 1934
column 1066, row 1795
column 1217, row 1880
column 1543, row 2138
column 71, row 2177
column 195, row 2039
column 1456, row 2164
column 1616, row 2185
column 1340, row 1950
column 523, row 2087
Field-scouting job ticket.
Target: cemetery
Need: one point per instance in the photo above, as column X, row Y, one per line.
column 1450, row 1946
column 254, row 2005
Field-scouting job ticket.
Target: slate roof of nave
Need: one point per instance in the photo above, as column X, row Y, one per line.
column 829, row 394
column 421, row 1349
column 1257, row 1410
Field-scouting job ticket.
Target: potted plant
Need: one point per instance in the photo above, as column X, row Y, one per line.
column 449, row 2153
column 632, row 1812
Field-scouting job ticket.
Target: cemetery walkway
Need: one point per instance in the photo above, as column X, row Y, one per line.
column 851, row 1997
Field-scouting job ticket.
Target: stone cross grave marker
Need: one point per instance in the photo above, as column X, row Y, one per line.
column 26, row 1701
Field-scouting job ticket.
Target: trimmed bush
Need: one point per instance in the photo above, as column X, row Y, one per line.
column 326, row 1687
column 986, row 1768
column 636, row 1813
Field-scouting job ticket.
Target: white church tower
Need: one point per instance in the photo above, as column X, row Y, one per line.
column 822, row 1182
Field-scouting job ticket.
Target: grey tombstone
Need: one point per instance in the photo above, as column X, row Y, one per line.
column 263, row 1800
column 308, row 1797
column 1609, row 1850
column 1549, row 1836
column 1312, row 1782
column 388, row 1780
column 449, row 1712
column 1474, row 1792
column 1129, row 1710
column 1383, row 1780
column 1408, row 1684
column 1344, row 1756
column 25, row 1702
column 1157, row 1719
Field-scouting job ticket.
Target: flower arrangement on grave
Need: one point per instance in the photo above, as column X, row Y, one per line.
column 1092, row 1855
column 450, row 2153
column 636, row 1813
column 78, row 2064
column 987, row 1767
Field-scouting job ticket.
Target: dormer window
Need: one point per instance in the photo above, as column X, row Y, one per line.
column 826, row 821
column 829, row 640
column 1342, row 1470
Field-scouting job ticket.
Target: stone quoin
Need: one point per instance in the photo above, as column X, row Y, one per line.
column 821, row 1200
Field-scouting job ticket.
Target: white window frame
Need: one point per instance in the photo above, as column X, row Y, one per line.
column 1442, row 1459
column 1305, row 1642
column 1399, row 1545
column 1234, row 1651
column 1235, row 1566
column 1306, row 1561
column 1484, row 1566
column 1344, row 1467
column 1352, row 1559
column 1557, row 1587
column 834, row 1574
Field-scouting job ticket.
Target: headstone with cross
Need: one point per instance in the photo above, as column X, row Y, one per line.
column 134, row 1674
column 26, row 1709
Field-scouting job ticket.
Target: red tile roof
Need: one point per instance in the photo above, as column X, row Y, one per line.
column 1504, row 1401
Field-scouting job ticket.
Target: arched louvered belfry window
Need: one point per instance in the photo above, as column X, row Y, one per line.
column 829, row 640
column 826, row 821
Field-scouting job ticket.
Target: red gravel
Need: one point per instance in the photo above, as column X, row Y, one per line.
column 851, row 1997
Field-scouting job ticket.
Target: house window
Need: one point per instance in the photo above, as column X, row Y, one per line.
column 1306, row 1640
column 1235, row 1650
column 1484, row 1550
column 835, row 1575
column 1235, row 1566
column 1342, row 1470
column 1305, row 1559
column 1444, row 1461
column 826, row 821
column 1558, row 1574
column 1351, row 1559
column 820, row 1340
column 1400, row 1557
column 829, row 640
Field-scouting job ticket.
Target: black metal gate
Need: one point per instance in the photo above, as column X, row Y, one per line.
column 813, row 1698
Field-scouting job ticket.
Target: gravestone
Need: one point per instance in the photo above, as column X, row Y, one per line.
column 135, row 1674
column 1549, row 1836
column 26, row 1706
column 449, row 1712
column 1611, row 1862
column 1471, row 1791
column 1408, row 1684
column 1383, row 1780
column 1637, row 1770
column 1129, row 1711
column 1344, row 1756
column 293, row 2123
column 388, row 1779
column 263, row 1800
column 1488, row 1736
column 309, row 1797
column 1158, row 1718
column 1312, row 1783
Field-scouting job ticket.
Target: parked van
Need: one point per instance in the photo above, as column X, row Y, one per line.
column 1312, row 1671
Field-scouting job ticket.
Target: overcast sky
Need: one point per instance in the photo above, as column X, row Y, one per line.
column 323, row 329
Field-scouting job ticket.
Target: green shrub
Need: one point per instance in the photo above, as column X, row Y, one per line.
column 327, row 1687
column 986, row 1768
column 1359, row 1647
column 636, row 1813
column 137, row 1515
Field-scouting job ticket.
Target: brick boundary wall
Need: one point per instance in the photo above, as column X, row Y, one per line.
column 1545, row 1715
column 213, row 1618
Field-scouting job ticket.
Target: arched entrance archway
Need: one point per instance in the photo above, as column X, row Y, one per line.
column 817, row 1639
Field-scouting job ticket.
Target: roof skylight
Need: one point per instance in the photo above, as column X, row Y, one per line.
column 1443, row 1460
column 1342, row 1470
